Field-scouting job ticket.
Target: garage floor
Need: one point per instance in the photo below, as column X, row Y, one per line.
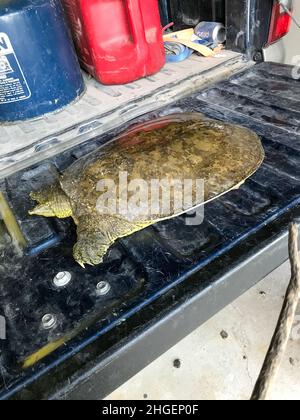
column 222, row 358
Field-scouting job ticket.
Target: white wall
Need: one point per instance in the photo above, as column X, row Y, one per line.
column 291, row 42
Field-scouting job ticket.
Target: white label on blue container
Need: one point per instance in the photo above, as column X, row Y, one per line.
column 13, row 85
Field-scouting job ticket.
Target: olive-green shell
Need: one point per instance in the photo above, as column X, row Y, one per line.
column 180, row 146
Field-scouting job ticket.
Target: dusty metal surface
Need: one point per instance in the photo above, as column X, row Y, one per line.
column 157, row 273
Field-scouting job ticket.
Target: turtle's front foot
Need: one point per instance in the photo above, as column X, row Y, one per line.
column 90, row 250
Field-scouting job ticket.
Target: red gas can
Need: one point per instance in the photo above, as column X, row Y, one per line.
column 118, row 41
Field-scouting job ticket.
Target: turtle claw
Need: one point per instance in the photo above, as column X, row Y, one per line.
column 81, row 264
column 91, row 264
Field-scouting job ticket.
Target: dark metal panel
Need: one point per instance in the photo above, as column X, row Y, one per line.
column 247, row 23
column 142, row 349
column 189, row 13
column 164, row 11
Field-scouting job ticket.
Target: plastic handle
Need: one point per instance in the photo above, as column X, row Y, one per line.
column 136, row 21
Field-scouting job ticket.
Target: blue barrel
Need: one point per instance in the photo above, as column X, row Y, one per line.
column 39, row 70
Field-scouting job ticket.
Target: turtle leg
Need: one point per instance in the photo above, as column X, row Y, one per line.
column 96, row 234
column 90, row 249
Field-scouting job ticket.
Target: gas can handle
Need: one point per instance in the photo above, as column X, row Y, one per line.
column 136, row 21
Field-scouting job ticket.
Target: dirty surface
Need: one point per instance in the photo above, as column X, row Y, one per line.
column 150, row 262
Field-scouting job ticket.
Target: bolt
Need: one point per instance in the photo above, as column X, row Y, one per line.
column 103, row 288
column 258, row 57
column 62, row 279
column 48, row 321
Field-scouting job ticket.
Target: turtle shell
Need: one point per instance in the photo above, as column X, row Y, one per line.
column 175, row 148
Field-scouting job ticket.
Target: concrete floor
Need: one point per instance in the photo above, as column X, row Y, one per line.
column 222, row 359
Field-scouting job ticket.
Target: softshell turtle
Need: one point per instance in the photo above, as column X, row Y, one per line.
column 176, row 147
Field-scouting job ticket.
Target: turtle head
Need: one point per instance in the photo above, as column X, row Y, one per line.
column 52, row 202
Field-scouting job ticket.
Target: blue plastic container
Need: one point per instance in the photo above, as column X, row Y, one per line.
column 39, row 71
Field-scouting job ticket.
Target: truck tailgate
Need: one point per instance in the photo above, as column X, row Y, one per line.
column 165, row 280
